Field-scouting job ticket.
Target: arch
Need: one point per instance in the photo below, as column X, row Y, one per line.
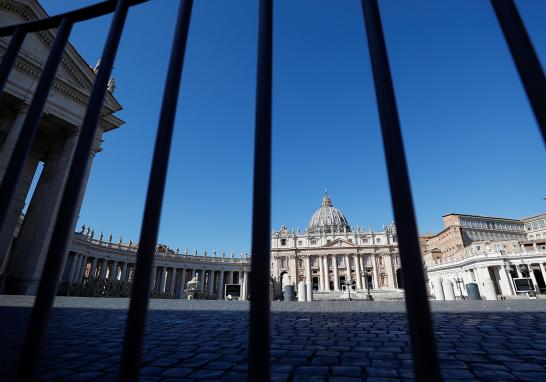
column 284, row 280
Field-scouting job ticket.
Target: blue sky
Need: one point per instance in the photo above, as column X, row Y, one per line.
column 471, row 140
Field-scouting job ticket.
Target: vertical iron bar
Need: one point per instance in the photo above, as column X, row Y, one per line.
column 64, row 223
column 525, row 58
column 136, row 319
column 32, row 120
column 11, row 54
column 259, row 326
column 420, row 321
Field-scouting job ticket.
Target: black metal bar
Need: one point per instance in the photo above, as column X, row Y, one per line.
column 11, row 54
column 524, row 55
column 138, row 307
column 259, row 325
column 419, row 318
column 32, row 120
column 64, row 224
column 77, row 15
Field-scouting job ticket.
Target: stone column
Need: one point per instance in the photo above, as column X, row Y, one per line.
column 16, row 207
column 210, row 286
column 124, row 272
column 336, row 274
column 163, row 279
column 75, row 268
column 182, row 283
column 26, row 264
column 389, row 269
column 347, row 269
column 245, row 285
column 321, row 271
column 375, row 271
column 7, row 147
column 72, row 268
column 114, row 271
column 362, row 272
column 326, row 273
column 220, row 293
column 93, row 269
column 308, row 279
column 532, row 276
column 103, row 267
column 488, row 285
column 82, row 268
column 356, row 258
column 505, row 281
column 202, row 280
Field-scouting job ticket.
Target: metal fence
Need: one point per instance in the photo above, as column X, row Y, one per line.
column 420, row 322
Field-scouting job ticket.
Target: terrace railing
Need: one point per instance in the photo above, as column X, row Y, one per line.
column 420, row 322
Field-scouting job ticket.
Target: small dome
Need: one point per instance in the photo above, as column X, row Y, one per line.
column 328, row 218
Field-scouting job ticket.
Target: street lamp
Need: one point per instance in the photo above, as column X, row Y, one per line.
column 349, row 284
column 459, row 281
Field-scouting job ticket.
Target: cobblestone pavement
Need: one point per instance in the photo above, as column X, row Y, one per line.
column 334, row 341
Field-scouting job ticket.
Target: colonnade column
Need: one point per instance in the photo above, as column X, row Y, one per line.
column 356, row 258
column 326, row 273
column 245, row 285
column 533, row 278
column 220, row 293
column 210, row 286
column 336, row 274
column 103, row 266
column 114, row 271
column 543, row 271
column 172, row 281
column 162, row 280
column 93, row 269
column 83, row 266
column 72, row 268
column 202, row 280
column 124, row 272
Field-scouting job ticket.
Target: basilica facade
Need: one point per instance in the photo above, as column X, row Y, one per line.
column 331, row 256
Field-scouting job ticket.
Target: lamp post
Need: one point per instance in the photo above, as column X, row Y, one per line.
column 459, row 282
column 349, row 284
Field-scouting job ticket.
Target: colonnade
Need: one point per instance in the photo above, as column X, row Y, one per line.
column 171, row 280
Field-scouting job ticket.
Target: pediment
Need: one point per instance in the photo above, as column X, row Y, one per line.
column 339, row 243
column 74, row 78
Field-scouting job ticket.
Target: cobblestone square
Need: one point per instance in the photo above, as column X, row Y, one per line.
column 318, row 341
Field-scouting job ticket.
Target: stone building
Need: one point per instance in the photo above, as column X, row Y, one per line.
column 22, row 259
column 462, row 230
column 330, row 253
column 535, row 226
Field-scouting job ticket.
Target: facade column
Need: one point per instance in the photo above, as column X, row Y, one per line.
column 326, row 273
column 347, row 269
column 389, row 268
column 220, row 293
column 336, row 273
column 93, row 269
column 543, row 271
column 7, row 147
column 308, row 279
column 505, row 281
column 103, row 267
column 76, row 269
column 362, row 276
column 356, row 258
column 321, row 270
column 532, row 276
column 375, row 271
column 163, row 279
column 114, row 271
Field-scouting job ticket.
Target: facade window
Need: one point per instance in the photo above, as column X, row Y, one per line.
column 313, row 241
column 380, row 260
column 283, row 241
column 283, row 263
column 328, row 241
column 300, row 242
column 350, row 240
column 301, row 263
column 378, row 240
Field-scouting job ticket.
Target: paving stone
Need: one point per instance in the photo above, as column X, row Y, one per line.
column 177, row 372
column 346, row 371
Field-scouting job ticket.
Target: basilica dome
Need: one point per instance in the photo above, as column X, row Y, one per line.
column 327, row 218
